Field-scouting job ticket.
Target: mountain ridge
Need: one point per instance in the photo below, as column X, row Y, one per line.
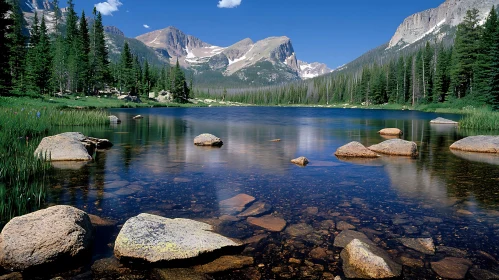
column 233, row 60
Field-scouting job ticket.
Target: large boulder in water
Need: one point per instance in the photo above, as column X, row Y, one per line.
column 396, row 147
column 355, row 149
column 390, row 132
column 207, row 139
column 63, row 147
column 361, row 260
column 154, row 239
column 443, row 121
column 477, row 144
column 51, row 237
column 70, row 146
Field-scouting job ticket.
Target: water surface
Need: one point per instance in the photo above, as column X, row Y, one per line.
column 155, row 168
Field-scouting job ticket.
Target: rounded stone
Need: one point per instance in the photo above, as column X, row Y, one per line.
column 153, row 239
column 391, row 132
column 50, row 236
column 396, row 147
column 207, row 139
column 355, row 149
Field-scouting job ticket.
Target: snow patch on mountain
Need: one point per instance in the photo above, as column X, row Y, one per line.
column 312, row 70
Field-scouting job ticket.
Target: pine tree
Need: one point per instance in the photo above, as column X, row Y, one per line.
column 44, row 58
column 17, row 48
column 99, row 60
column 146, row 79
column 126, row 70
column 31, row 64
column 5, row 22
column 84, row 53
column 484, row 69
column 465, row 53
column 72, row 42
column 442, row 75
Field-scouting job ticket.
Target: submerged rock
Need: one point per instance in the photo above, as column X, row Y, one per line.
column 477, row 144
column 49, row 237
column 452, row 268
column 303, row 161
column 207, row 140
column 299, row 230
column 236, row 204
column 355, row 149
column 153, row 239
column 423, row 245
column 443, row 121
column 361, row 260
column 257, row 209
column 347, row 236
column 396, row 147
column 390, row 132
column 224, row 263
column 268, row 222
column 482, row 274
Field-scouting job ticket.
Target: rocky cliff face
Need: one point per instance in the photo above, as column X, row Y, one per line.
column 451, row 12
column 31, row 5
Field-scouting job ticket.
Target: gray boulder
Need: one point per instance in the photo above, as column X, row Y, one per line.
column 63, row 147
column 114, row 119
column 70, row 146
column 396, row 147
column 355, row 149
column 207, row 139
column 443, row 121
column 52, row 236
column 477, row 144
column 153, row 239
column 361, row 260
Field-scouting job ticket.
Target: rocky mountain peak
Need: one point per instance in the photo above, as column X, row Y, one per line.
column 114, row 30
column 451, row 12
column 171, row 39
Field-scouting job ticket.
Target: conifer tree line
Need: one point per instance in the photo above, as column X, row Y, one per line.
column 434, row 74
column 73, row 58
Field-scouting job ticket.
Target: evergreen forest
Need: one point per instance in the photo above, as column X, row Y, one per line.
column 73, row 58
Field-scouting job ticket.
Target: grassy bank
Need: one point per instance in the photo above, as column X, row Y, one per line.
column 481, row 120
column 23, row 178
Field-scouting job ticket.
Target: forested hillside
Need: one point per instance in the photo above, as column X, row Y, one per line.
column 75, row 58
column 432, row 73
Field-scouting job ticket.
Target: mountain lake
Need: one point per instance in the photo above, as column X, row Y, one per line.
column 155, row 168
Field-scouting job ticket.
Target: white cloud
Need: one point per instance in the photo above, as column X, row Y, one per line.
column 146, row 26
column 107, row 8
column 229, row 3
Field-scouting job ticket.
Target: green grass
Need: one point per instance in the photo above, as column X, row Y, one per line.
column 25, row 121
column 481, row 120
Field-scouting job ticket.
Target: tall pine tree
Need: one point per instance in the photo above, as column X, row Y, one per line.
column 5, row 22
column 17, row 46
column 465, row 53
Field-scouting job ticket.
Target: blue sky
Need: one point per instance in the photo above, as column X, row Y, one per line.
column 328, row 31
